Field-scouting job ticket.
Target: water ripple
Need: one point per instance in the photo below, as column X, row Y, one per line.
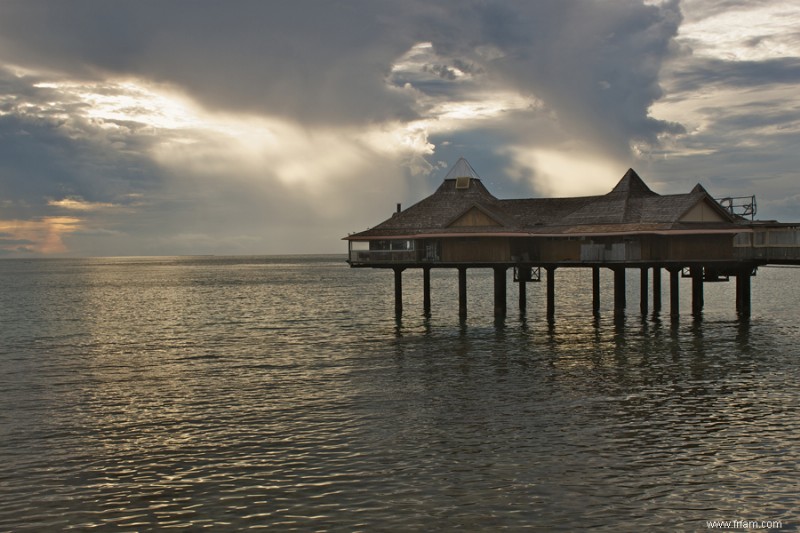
column 238, row 393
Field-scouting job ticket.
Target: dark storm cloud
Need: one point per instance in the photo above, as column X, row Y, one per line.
column 316, row 61
column 595, row 63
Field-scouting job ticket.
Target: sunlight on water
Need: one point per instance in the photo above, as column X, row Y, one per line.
column 232, row 393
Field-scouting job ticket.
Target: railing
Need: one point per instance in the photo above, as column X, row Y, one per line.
column 383, row 256
column 769, row 244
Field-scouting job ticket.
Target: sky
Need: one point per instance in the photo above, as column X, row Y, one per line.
column 182, row 127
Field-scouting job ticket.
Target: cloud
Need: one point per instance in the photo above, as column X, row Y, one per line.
column 317, row 62
column 153, row 168
column 741, row 30
column 743, row 74
column 327, row 63
column 44, row 235
column 9, row 243
column 595, row 65
column 733, row 84
column 76, row 203
column 273, row 127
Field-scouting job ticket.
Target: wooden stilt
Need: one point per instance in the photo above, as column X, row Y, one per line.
column 523, row 297
column 619, row 290
column 595, row 291
column 674, row 284
column 551, row 293
column 398, row 291
column 462, row 292
column 739, row 275
column 746, row 301
column 426, row 291
column 643, row 290
column 697, row 290
column 743, row 302
column 500, row 291
column 656, row 289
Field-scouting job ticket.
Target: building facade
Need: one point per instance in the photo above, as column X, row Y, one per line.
column 463, row 223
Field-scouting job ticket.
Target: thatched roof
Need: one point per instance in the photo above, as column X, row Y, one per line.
column 630, row 207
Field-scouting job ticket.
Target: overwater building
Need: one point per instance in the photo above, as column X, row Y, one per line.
column 462, row 225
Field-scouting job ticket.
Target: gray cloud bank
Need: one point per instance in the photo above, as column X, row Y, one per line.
column 328, row 85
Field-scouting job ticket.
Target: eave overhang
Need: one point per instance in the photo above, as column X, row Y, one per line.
column 571, row 233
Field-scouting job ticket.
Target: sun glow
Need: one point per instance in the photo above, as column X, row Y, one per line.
column 559, row 173
column 43, row 235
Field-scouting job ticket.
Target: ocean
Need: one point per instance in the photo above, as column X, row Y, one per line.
column 231, row 393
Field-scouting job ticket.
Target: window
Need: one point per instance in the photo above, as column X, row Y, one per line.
column 402, row 245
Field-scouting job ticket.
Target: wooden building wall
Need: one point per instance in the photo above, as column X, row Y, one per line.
column 628, row 248
column 559, row 250
column 546, row 249
column 699, row 247
column 684, row 247
column 480, row 249
column 574, row 249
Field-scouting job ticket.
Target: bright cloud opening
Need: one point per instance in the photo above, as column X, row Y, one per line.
column 131, row 100
column 75, row 203
column 563, row 173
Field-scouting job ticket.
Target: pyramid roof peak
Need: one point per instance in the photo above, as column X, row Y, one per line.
column 632, row 185
column 462, row 169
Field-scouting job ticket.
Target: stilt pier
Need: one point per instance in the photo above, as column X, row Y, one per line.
column 697, row 274
column 463, row 226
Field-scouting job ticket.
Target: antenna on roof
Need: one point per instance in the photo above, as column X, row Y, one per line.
column 743, row 206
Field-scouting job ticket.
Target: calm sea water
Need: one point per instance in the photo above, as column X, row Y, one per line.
column 281, row 393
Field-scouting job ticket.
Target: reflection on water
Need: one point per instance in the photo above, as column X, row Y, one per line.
column 281, row 392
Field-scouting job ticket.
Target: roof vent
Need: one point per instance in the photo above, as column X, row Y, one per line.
column 462, row 182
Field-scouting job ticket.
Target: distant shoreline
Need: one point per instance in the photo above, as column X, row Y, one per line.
column 343, row 256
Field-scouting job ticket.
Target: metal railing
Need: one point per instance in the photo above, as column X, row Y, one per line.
column 383, row 256
column 769, row 244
